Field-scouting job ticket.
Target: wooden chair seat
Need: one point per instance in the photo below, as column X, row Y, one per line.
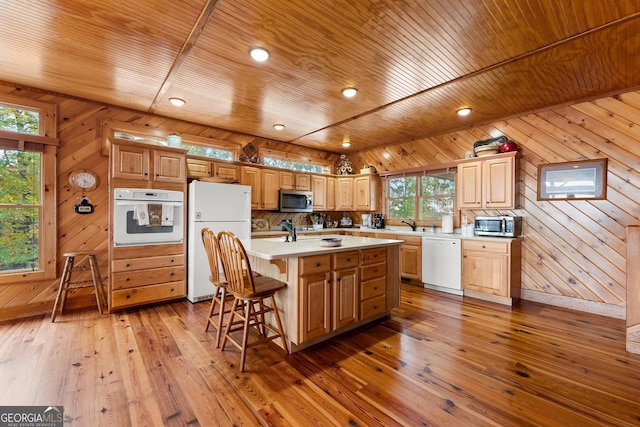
column 253, row 298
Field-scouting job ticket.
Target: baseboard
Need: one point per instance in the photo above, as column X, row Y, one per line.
column 608, row 310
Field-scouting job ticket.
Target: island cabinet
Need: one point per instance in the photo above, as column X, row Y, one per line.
column 328, row 293
column 140, row 162
column 491, row 269
column 329, row 290
column 488, row 183
column 140, row 275
column 373, row 273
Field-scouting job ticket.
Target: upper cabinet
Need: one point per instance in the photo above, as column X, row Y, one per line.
column 366, row 192
column 252, row 176
column 344, row 194
column 319, row 190
column 197, row 168
column 295, row 181
column 139, row 162
column 488, row 183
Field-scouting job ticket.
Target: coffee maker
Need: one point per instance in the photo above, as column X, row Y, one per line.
column 378, row 220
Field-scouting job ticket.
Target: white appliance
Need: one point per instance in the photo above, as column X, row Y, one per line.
column 129, row 230
column 442, row 264
column 218, row 207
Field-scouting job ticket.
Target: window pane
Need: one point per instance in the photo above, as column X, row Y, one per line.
column 401, row 208
column 402, row 187
column 17, row 120
column 214, row 153
column 438, row 191
column 19, row 177
column 19, row 238
column 293, row 165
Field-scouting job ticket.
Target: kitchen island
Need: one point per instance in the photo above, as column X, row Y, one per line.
column 330, row 290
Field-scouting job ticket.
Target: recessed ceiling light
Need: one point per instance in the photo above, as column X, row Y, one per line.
column 346, row 144
column 278, row 126
column 259, row 54
column 464, row 111
column 178, row 102
column 349, row 92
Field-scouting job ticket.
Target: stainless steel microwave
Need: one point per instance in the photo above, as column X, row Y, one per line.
column 295, row 201
column 498, row 226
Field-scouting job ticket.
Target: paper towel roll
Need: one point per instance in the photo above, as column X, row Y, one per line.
column 447, row 223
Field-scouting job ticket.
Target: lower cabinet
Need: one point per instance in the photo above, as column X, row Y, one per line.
column 411, row 257
column 139, row 276
column 373, row 278
column 328, row 293
column 491, row 269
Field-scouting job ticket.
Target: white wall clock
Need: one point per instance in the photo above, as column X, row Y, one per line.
column 83, row 180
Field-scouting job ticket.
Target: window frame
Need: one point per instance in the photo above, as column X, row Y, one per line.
column 46, row 143
column 417, row 174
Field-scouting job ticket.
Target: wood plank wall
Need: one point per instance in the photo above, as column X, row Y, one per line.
column 574, row 252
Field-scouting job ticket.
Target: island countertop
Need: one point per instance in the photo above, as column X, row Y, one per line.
column 277, row 248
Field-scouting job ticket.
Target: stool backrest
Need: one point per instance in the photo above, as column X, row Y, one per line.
column 237, row 269
column 211, row 247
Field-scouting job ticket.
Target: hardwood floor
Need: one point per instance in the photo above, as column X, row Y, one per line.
column 436, row 361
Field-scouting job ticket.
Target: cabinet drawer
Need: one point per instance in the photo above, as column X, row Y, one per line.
column 147, row 294
column 372, row 288
column 411, row 240
column 374, row 256
column 373, row 271
column 500, row 247
column 343, row 260
column 372, row 306
column 133, row 278
column 315, row 264
column 147, row 263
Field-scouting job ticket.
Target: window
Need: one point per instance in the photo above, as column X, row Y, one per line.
column 421, row 197
column 294, row 162
column 27, row 211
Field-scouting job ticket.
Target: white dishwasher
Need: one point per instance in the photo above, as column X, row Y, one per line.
column 442, row 264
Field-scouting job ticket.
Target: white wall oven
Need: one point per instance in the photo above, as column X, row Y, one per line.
column 147, row 216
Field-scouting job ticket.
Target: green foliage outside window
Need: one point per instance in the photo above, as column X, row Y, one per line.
column 294, row 165
column 425, row 198
column 20, row 197
column 215, row 153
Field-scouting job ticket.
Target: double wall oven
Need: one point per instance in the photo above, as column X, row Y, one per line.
column 134, row 216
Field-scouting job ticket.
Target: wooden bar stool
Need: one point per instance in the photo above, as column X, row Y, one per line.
column 66, row 283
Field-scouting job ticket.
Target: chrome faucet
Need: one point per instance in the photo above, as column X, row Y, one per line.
column 411, row 224
column 291, row 229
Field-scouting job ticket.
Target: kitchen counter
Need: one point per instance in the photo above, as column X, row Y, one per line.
column 330, row 290
column 306, row 245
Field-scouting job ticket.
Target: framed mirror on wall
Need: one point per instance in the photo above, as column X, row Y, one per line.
column 579, row 180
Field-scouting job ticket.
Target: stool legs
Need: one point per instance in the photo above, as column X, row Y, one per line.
column 61, row 297
column 66, row 284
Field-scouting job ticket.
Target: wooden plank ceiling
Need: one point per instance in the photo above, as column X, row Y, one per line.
column 415, row 62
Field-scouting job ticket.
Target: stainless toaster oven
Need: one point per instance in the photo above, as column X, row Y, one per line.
column 498, row 226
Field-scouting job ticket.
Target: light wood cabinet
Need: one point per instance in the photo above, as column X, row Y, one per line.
column 345, row 289
column 252, row 176
column 270, row 189
column 344, row 194
column 410, row 257
column 373, row 282
column 295, row 181
column 319, row 190
column 491, row 269
column 328, row 292
column 225, row 171
column 315, row 296
column 331, row 193
column 488, row 183
column 366, row 193
column 198, row 168
column 138, row 162
column 139, row 276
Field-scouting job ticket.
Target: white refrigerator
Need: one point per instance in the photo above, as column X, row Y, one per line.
column 218, row 207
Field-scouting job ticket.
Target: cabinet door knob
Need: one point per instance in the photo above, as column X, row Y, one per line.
column 317, row 264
